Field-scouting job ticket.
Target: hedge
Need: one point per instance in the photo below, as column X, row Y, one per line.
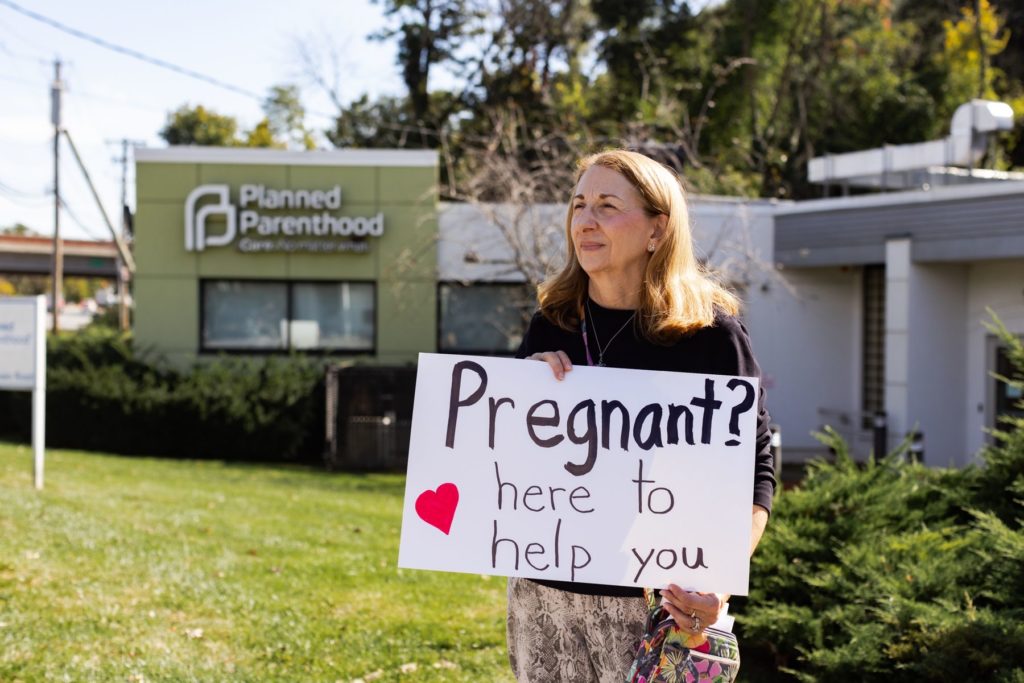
column 894, row 571
column 103, row 395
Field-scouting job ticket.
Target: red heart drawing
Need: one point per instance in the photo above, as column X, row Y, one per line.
column 437, row 508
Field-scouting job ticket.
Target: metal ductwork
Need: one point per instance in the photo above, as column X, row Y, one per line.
column 924, row 163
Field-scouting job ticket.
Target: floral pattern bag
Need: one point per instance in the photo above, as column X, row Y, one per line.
column 669, row 654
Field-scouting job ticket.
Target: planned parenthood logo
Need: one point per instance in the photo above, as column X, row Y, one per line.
column 269, row 220
column 196, row 238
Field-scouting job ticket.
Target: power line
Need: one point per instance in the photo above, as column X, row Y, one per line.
column 82, row 35
column 19, row 81
column 20, row 55
column 4, row 187
column 24, row 199
column 422, row 130
column 80, row 224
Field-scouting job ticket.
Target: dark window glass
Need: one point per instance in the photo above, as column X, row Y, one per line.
column 484, row 318
column 277, row 316
column 332, row 316
column 245, row 315
column 1008, row 396
column 873, row 344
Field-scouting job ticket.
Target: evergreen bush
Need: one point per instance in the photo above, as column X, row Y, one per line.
column 104, row 395
column 894, row 571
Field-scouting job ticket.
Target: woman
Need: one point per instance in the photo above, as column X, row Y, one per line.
column 631, row 295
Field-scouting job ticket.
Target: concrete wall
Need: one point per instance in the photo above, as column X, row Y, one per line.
column 403, row 261
column 936, row 369
column 806, row 331
column 998, row 285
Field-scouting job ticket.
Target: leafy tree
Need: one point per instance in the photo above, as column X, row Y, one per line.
column 283, row 125
column 383, row 123
column 429, row 32
column 200, row 126
column 286, row 117
column 262, row 136
column 970, row 44
column 738, row 95
column 19, row 229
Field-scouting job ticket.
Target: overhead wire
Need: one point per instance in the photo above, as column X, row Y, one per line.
column 77, row 221
column 19, row 81
column 155, row 61
column 28, row 200
column 191, row 73
column 4, row 187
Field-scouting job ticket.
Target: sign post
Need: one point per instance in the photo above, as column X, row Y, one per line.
column 23, row 363
column 612, row 476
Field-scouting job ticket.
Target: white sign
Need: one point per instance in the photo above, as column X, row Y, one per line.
column 19, row 340
column 23, row 362
column 268, row 232
column 612, row 476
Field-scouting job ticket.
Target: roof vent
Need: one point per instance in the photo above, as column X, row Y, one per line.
column 925, row 163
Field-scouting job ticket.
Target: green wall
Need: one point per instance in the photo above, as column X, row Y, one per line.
column 403, row 261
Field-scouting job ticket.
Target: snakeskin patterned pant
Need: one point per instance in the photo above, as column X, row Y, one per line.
column 555, row 636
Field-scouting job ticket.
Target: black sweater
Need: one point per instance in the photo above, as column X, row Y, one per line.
column 722, row 349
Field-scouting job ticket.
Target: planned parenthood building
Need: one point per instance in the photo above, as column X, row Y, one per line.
column 856, row 305
column 265, row 251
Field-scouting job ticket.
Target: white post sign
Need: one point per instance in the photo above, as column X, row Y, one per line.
column 23, row 362
column 612, row 476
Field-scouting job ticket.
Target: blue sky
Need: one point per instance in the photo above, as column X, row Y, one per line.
column 111, row 96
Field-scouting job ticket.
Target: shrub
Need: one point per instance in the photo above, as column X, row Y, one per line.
column 103, row 395
column 894, row 571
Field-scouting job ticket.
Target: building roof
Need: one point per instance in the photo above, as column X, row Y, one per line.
column 258, row 156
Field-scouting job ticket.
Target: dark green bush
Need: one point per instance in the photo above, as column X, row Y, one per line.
column 894, row 571
column 103, row 395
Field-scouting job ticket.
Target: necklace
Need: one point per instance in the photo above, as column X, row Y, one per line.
column 601, row 349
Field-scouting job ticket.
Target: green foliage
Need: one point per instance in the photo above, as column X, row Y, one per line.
column 103, row 395
column 428, row 33
column 283, row 125
column 199, row 126
column 743, row 93
column 18, row 229
column 894, row 571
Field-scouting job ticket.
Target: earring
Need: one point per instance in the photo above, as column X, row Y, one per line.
column 651, row 246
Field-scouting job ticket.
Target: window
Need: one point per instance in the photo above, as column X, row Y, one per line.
column 262, row 316
column 332, row 316
column 873, row 344
column 483, row 318
column 1008, row 396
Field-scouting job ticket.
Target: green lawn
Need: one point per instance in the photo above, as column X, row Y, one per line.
column 137, row 569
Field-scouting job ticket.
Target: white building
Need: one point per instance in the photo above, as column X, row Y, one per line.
column 855, row 304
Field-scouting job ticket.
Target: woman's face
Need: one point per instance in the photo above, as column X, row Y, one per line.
column 610, row 229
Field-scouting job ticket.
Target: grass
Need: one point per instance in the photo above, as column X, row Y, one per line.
column 137, row 569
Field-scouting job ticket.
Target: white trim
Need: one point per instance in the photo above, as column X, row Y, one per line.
column 938, row 194
column 281, row 157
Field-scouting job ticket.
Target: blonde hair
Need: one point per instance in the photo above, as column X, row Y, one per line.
column 678, row 295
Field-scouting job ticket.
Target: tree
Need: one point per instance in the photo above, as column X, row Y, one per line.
column 19, row 229
column 738, row 95
column 430, row 32
column 283, row 125
column 382, row 123
column 286, row 117
column 262, row 136
column 200, row 126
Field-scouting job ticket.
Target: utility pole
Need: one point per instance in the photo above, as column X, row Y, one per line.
column 122, row 280
column 58, row 248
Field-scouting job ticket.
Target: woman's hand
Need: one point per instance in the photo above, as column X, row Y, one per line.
column 558, row 360
column 692, row 611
